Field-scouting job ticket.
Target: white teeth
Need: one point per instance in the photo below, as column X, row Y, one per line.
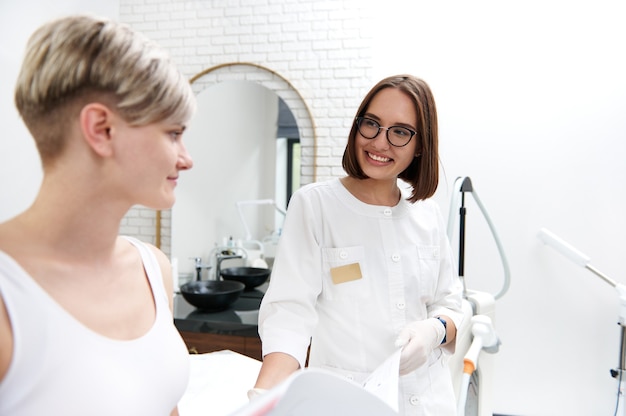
column 379, row 158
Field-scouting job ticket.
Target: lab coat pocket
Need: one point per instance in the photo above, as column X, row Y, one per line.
column 344, row 273
column 428, row 260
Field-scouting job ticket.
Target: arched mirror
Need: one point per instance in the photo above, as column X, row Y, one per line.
column 252, row 140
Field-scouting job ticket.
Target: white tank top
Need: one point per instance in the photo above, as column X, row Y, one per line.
column 61, row 367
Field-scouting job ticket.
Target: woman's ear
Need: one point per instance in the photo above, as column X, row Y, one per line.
column 96, row 122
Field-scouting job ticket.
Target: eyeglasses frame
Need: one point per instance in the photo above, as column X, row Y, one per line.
column 358, row 121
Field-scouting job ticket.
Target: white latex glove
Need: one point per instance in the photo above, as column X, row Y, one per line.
column 255, row 392
column 418, row 340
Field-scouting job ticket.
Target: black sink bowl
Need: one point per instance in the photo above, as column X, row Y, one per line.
column 212, row 295
column 250, row 276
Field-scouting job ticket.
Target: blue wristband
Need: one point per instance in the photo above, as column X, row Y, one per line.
column 445, row 329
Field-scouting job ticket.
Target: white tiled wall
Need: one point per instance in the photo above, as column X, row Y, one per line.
column 323, row 49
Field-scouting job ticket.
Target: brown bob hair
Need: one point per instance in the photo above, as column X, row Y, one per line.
column 423, row 172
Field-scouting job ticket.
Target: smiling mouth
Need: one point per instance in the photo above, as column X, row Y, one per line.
column 379, row 158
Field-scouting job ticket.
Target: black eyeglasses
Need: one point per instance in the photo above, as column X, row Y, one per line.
column 397, row 136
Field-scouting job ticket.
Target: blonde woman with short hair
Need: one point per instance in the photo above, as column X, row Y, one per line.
column 86, row 325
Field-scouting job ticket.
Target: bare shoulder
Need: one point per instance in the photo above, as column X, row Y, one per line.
column 6, row 340
column 6, row 332
column 162, row 259
column 166, row 270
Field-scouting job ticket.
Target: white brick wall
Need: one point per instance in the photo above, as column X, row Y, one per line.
column 319, row 50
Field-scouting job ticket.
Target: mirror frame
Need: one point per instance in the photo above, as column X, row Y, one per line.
column 272, row 80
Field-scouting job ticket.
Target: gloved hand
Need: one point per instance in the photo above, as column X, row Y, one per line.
column 255, row 392
column 418, row 340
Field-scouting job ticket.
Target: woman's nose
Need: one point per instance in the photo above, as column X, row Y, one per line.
column 380, row 141
column 185, row 162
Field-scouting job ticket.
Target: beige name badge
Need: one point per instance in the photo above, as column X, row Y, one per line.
column 346, row 273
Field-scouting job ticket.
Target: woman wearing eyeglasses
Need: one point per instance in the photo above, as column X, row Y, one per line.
column 363, row 269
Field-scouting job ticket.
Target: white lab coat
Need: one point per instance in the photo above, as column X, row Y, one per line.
column 406, row 274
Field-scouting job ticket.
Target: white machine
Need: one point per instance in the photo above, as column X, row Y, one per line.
column 583, row 261
column 472, row 366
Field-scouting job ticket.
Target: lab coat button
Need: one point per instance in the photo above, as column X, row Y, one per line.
column 400, row 305
column 387, row 212
column 395, row 257
column 343, row 255
column 414, row 400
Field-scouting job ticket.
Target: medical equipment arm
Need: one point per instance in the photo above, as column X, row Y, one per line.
column 583, row 260
column 462, row 185
column 484, row 337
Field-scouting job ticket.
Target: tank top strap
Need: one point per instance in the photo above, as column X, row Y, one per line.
column 152, row 268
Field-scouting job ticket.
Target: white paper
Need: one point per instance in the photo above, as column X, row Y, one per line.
column 220, row 380
column 383, row 382
column 218, row 383
column 314, row 392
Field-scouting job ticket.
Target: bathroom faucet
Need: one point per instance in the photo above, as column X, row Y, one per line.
column 220, row 258
column 199, row 266
column 226, row 253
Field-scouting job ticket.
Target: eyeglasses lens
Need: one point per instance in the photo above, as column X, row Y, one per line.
column 396, row 135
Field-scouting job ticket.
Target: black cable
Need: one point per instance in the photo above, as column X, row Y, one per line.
column 619, row 385
column 620, row 371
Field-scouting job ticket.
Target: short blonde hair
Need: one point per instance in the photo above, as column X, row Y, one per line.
column 79, row 59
